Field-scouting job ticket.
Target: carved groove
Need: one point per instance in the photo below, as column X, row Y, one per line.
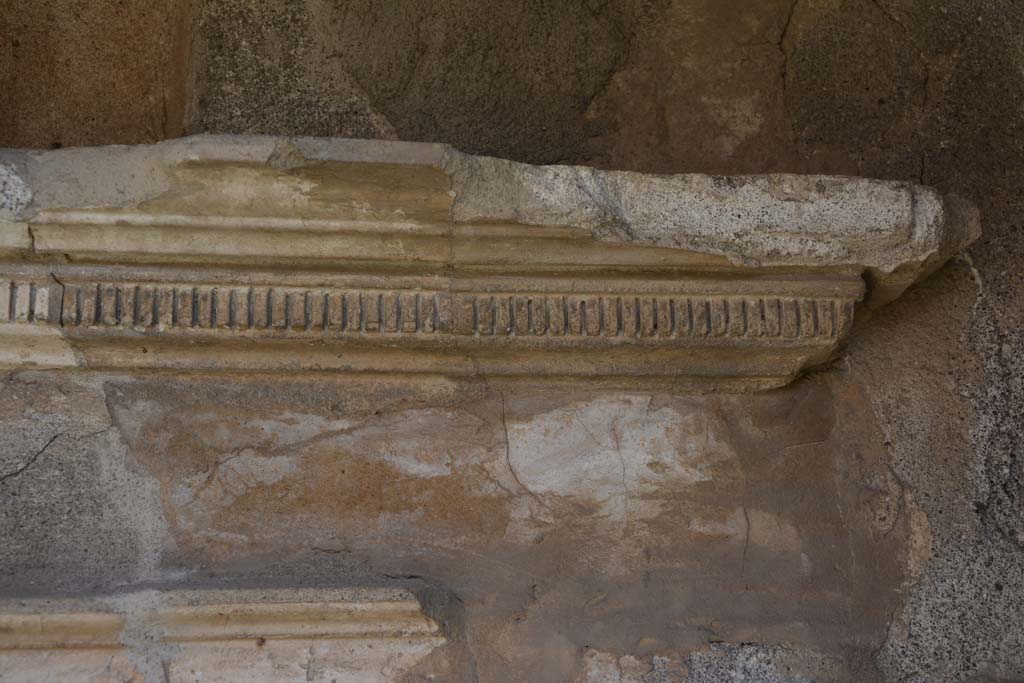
column 271, row 310
column 25, row 302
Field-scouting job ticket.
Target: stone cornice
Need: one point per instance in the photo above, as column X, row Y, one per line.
column 370, row 634
column 262, row 254
column 222, row 615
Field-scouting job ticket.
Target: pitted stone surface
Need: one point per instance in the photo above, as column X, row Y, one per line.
column 767, row 220
column 14, row 193
column 726, row 663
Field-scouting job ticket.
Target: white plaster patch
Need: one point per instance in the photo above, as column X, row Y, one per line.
column 419, row 442
column 14, row 193
column 294, row 428
column 616, row 453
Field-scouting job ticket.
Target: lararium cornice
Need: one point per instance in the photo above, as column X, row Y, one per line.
column 261, row 254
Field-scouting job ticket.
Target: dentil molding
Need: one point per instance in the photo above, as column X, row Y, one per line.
column 259, row 254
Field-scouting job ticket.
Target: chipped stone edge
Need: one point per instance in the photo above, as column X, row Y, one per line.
column 777, row 220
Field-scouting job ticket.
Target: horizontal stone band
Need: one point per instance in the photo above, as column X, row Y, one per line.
column 252, row 254
column 160, row 308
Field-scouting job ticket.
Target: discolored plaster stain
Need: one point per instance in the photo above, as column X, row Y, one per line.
column 752, row 527
column 228, row 480
column 735, row 505
column 308, row 187
column 287, row 479
column 413, row 441
column 337, row 501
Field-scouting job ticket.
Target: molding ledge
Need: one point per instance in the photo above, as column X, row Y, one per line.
column 253, row 635
column 257, row 254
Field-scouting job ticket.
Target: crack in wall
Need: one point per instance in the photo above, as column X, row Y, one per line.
column 63, row 294
column 888, row 14
column 31, row 461
column 622, row 460
column 746, row 541
column 508, row 454
column 786, row 54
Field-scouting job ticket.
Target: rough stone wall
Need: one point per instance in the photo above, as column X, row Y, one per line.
column 898, row 473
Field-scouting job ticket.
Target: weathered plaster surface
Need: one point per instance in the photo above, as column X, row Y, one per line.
column 632, row 523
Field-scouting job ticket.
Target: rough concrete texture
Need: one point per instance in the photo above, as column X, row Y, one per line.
column 899, row 89
column 86, row 72
column 14, row 193
column 721, row 663
column 75, row 515
column 769, row 220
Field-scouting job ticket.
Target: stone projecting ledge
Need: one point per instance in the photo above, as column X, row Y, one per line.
column 259, row 254
column 226, row 635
